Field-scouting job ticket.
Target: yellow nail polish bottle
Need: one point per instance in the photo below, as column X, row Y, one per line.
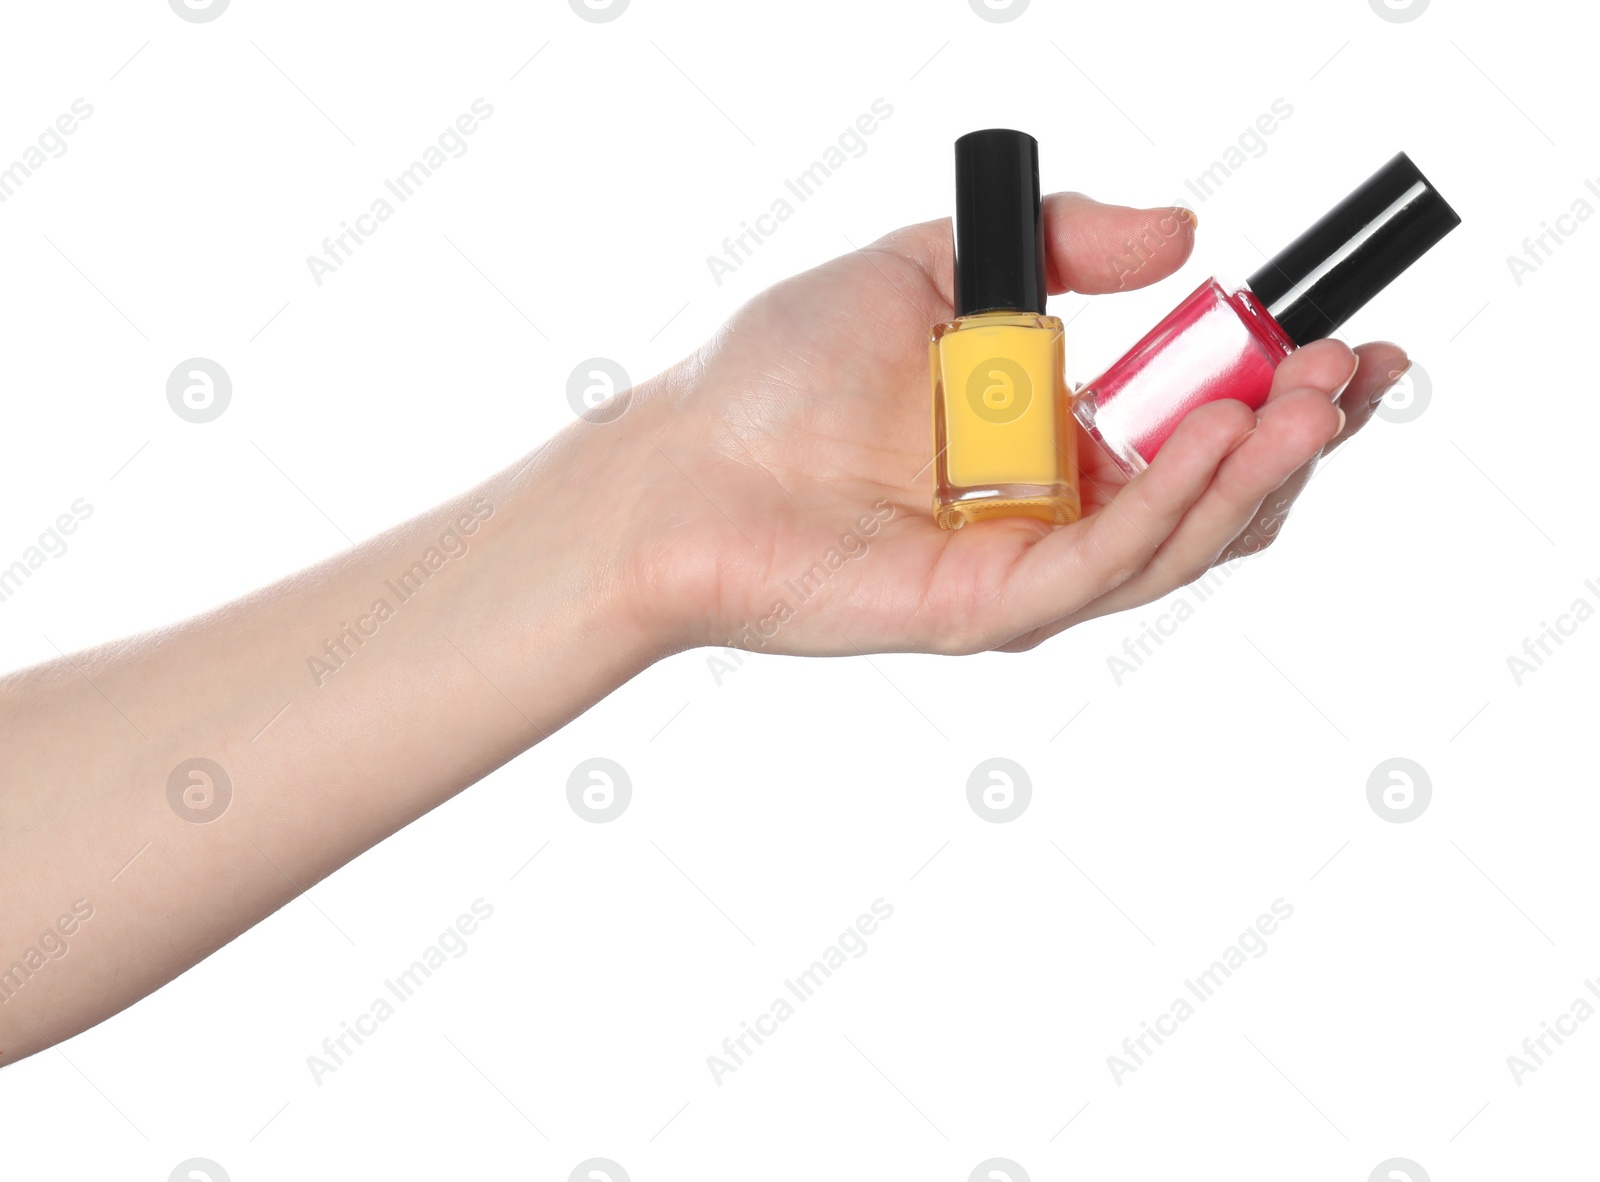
column 1004, row 444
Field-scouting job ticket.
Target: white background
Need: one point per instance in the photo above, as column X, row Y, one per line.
column 771, row 809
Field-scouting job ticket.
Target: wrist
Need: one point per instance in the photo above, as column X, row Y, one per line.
column 567, row 586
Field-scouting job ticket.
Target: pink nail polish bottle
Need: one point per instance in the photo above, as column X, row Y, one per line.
column 1222, row 343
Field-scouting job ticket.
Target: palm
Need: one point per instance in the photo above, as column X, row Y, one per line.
column 819, row 389
column 807, row 438
column 847, row 346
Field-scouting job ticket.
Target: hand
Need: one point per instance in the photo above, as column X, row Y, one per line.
column 790, row 490
column 786, row 463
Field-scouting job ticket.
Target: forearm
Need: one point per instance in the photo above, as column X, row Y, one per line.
column 340, row 704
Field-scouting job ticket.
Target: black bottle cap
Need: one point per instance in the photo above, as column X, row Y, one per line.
column 999, row 225
column 1318, row 281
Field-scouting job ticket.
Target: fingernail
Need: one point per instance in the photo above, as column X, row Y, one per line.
column 1394, row 376
column 1185, row 214
column 1340, row 427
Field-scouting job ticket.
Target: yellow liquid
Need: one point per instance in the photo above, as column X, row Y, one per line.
column 1002, row 422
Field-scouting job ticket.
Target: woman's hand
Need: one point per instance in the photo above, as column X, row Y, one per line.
column 772, row 492
column 789, row 469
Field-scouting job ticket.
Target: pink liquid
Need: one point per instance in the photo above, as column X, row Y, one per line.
column 1216, row 344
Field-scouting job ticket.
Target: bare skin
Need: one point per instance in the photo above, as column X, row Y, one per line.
column 607, row 548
